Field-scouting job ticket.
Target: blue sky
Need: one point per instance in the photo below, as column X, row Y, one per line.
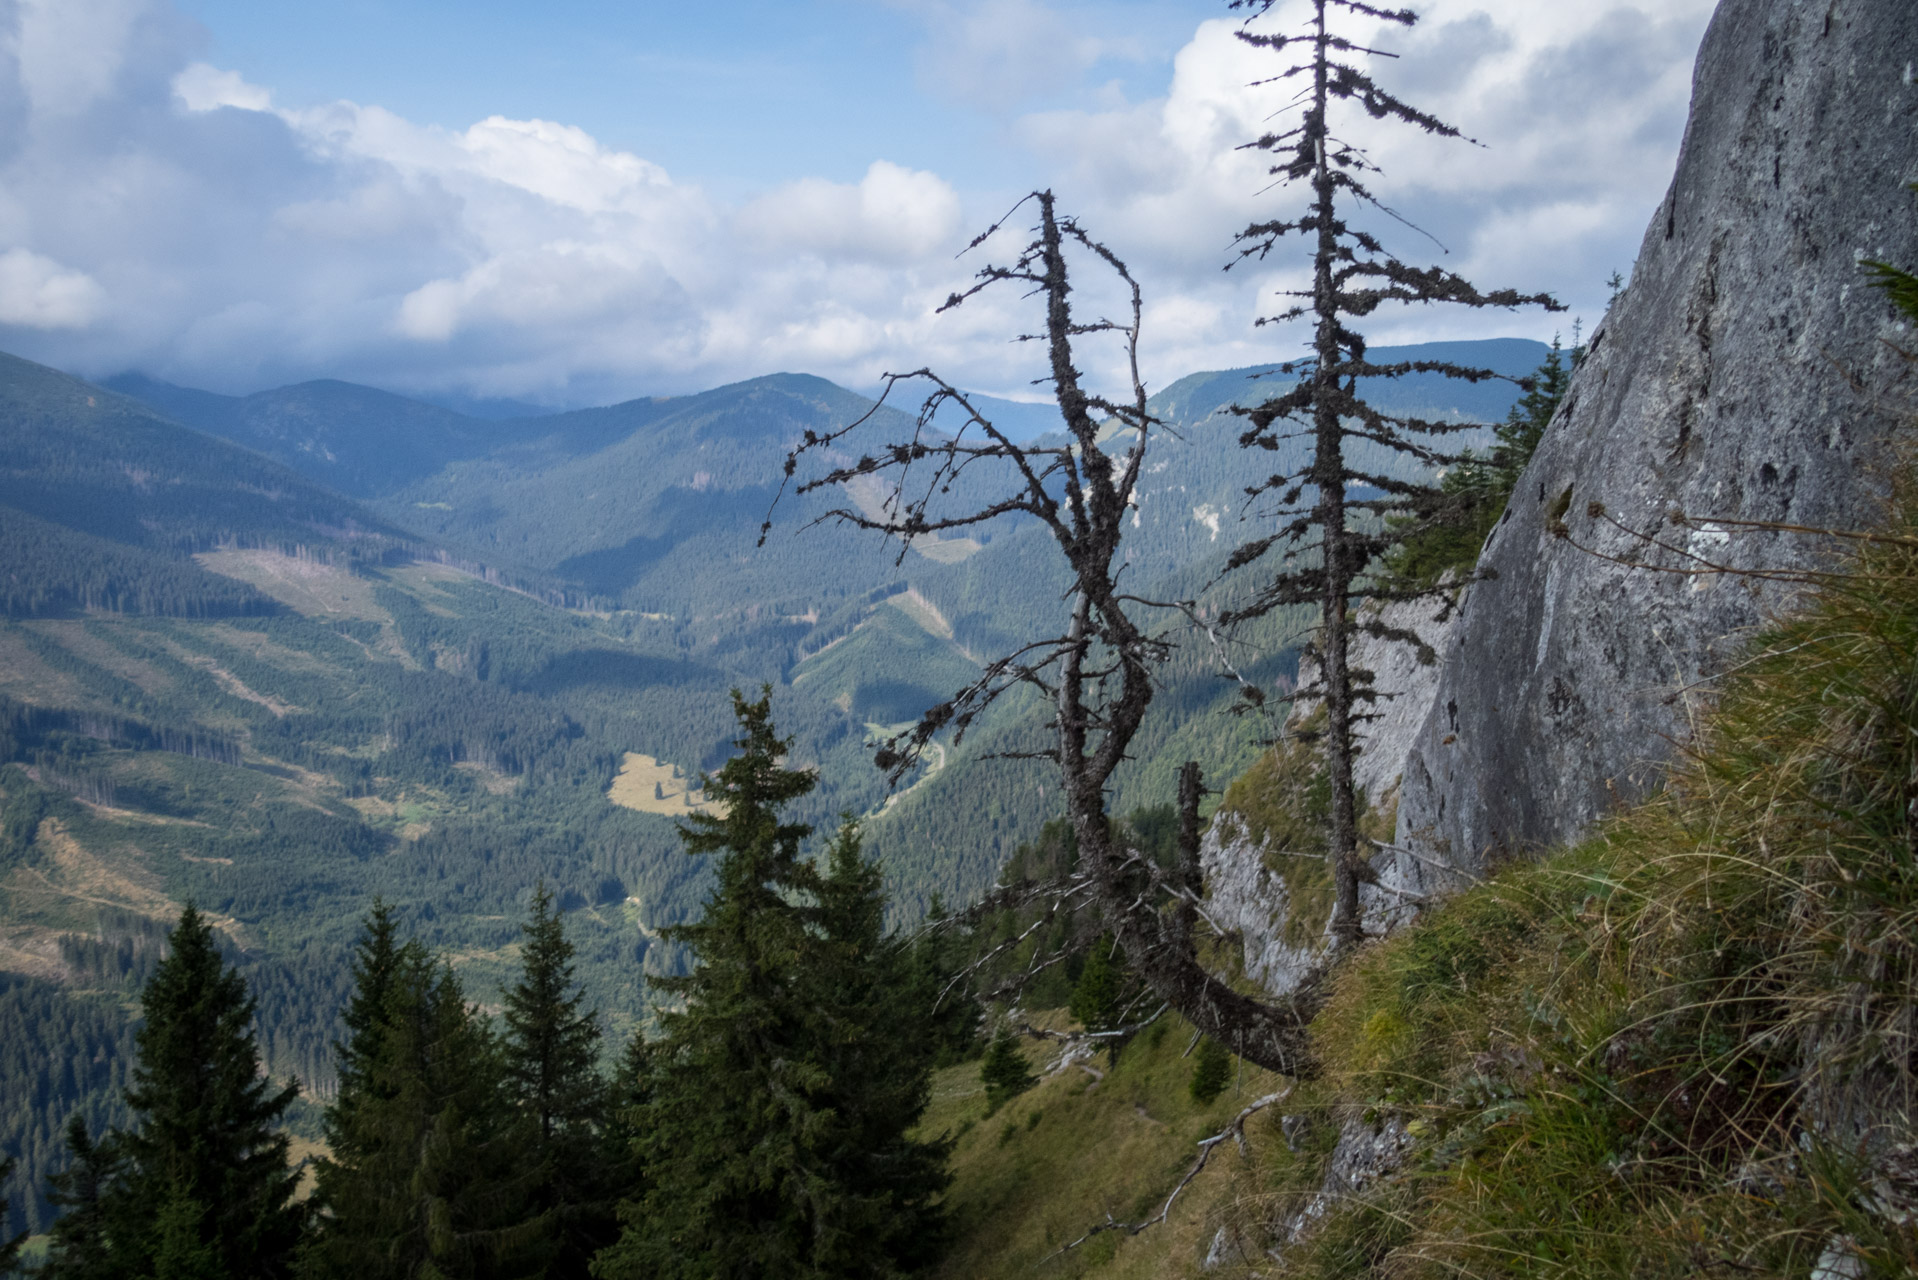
column 737, row 96
column 577, row 202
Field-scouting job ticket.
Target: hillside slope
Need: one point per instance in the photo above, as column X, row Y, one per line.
column 351, row 438
column 82, row 457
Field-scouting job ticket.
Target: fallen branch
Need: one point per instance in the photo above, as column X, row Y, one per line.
column 1441, row 864
column 1074, row 1037
column 1234, row 1131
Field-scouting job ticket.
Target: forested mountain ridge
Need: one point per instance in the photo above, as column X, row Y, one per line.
column 355, row 439
column 256, row 692
column 101, row 463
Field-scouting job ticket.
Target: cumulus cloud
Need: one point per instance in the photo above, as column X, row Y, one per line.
column 892, row 213
column 38, row 293
column 202, row 87
column 1575, row 112
column 159, row 212
column 1578, row 112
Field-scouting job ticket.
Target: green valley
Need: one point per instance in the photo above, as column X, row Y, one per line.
column 254, row 658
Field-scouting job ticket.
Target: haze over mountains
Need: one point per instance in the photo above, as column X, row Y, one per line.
column 283, row 652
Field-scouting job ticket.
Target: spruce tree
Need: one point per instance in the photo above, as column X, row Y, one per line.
column 431, row 1178
column 1524, row 426
column 873, row 1031
column 1442, row 541
column 1095, row 997
column 734, row 1097
column 1334, row 511
column 376, row 960
column 1210, row 1071
column 179, row 1250
column 771, row 1135
column 937, row 953
column 1005, row 1072
column 97, row 1235
column 206, row 1148
column 9, row 1249
column 627, row 1096
column 552, row 1060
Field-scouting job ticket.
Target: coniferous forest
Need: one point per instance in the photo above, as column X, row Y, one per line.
column 779, row 1094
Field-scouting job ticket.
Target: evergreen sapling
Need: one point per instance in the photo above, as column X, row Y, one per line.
column 1005, row 1072
column 1211, row 1071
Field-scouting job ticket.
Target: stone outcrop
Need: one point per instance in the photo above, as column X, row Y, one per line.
column 1245, row 894
column 1749, row 373
column 1366, row 1152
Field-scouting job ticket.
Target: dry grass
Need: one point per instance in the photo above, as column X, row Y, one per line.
column 649, row 786
column 922, row 611
column 305, row 586
column 306, row 1150
column 869, row 494
column 80, row 640
column 24, row 675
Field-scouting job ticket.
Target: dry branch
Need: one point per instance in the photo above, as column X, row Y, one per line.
column 1098, row 673
column 1235, row 1131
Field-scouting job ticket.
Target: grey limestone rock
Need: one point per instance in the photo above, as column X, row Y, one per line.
column 1366, row 1153
column 1748, row 372
column 1247, row 896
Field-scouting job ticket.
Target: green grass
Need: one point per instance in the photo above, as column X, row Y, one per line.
column 1686, row 1047
column 1679, row 1047
column 1055, row 1161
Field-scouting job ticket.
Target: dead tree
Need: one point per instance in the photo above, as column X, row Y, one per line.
column 1328, row 534
column 1097, row 671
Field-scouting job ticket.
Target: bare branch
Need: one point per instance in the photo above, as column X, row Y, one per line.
column 1099, row 676
column 1235, row 1131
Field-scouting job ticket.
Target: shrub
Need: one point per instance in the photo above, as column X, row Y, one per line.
column 1211, row 1071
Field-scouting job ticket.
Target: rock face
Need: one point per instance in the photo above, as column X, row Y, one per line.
column 1364, row 1153
column 1245, row 894
column 1747, row 373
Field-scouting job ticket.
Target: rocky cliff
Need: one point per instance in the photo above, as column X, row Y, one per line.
column 1248, row 892
column 1747, row 373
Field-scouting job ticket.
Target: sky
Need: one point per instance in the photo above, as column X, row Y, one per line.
column 583, row 201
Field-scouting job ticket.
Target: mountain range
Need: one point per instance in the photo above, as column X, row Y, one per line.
column 284, row 652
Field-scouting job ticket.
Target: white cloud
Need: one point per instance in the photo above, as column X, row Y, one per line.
column 998, row 53
column 892, row 214
column 201, row 87
column 38, row 293
column 71, row 55
column 1578, row 110
column 165, row 214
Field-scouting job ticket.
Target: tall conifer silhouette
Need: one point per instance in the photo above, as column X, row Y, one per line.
column 552, row 1071
column 199, row 1186
column 771, row 1115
